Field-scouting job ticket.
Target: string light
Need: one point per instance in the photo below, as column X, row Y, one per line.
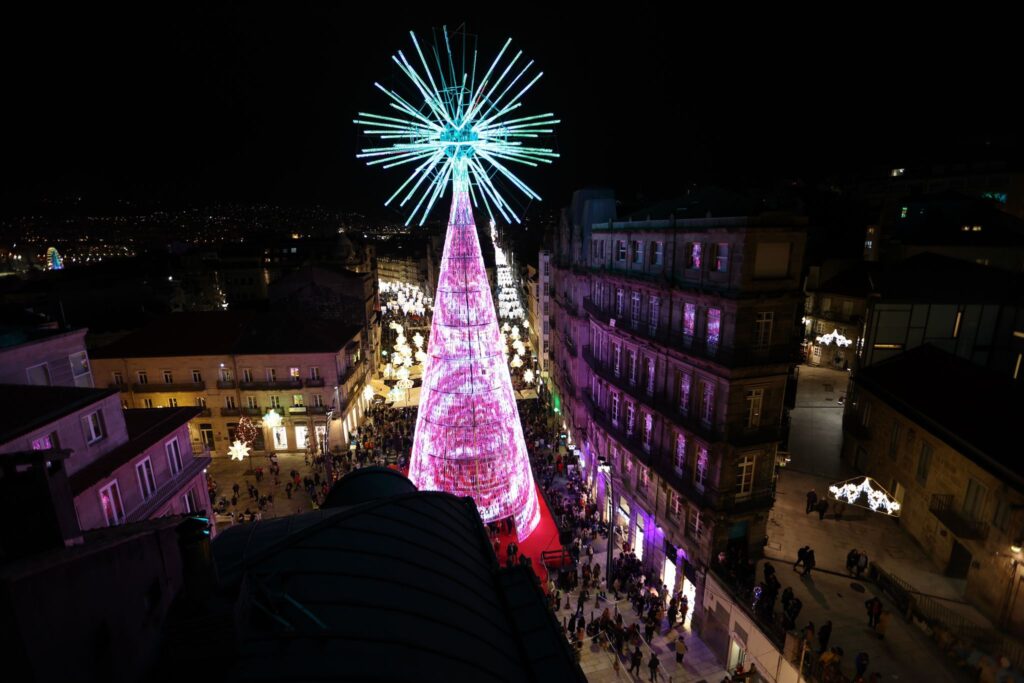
column 877, row 498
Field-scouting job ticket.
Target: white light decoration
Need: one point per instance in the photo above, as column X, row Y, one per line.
column 272, row 419
column 403, row 373
column 238, row 450
column 405, row 384
column 417, row 339
column 526, row 324
column 833, row 337
column 368, row 392
column 517, row 361
column 528, row 376
column 876, row 498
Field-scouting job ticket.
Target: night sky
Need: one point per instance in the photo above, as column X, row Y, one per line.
column 242, row 104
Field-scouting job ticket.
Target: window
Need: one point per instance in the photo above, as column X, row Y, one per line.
column 147, row 403
column 197, row 376
column 755, row 399
column 653, row 315
column 903, row 211
column 720, row 263
column 684, row 393
column 643, row 478
column 620, row 250
column 657, row 253
column 632, row 367
column 188, row 502
column 143, row 377
column 250, row 402
column 172, row 403
column 617, row 359
column 92, row 425
column 45, row 442
column 637, row 250
column 229, row 402
column 694, row 528
column 680, row 454
column 246, row 375
column 118, row 378
column 693, row 255
column 675, row 506
column 147, row 482
column 298, row 401
column 615, row 409
column 974, row 500
column 1001, row 516
column 225, row 375
column 707, row 402
column 80, row 369
column 745, row 475
column 634, row 311
column 168, row 377
column 314, row 373
column 318, row 400
column 630, row 418
column 173, row 456
column 700, row 470
column 894, row 439
column 847, row 308
column 763, row 329
column 38, row 375
column 651, row 368
column 294, row 373
column 648, row 431
column 200, row 402
column 110, row 501
column 275, row 401
column 271, row 374
column 689, row 319
column 714, row 328
column 620, row 302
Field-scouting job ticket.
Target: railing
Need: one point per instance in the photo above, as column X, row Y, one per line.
column 168, row 387
column 351, row 371
column 316, row 410
column 837, row 317
column 730, row 356
column 252, row 411
column 943, row 507
column 742, row 597
column 225, row 384
column 314, row 381
column 171, row 488
column 230, row 412
column 205, row 412
column 272, row 385
column 296, row 410
column 570, row 346
column 632, row 442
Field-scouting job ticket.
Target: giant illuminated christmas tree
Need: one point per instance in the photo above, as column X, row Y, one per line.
column 468, row 440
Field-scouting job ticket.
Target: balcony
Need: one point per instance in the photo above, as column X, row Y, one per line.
column 205, row 412
column 316, row 410
column 633, row 442
column 314, row 381
column 165, row 387
column 296, row 410
column 709, row 497
column 191, row 468
column 230, row 412
column 351, row 371
column 275, row 385
column 225, row 384
column 727, row 356
column 943, row 507
column 254, row 411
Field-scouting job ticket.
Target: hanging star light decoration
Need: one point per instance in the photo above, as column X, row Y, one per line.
column 238, row 450
column 461, row 130
column 877, row 498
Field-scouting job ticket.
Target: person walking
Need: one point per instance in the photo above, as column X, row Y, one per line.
column 874, row 608
column 861, row 663
column 635, row 660
column 653, row 665
column 812, row 500
column 862, row 563
column 801, row 556
column 808, row 562
column 824, row 635
column 822, row 508
column 680, row 649
column 851, row 560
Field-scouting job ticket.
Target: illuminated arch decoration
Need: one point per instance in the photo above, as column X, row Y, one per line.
column 469, row 439
column 866, row 493
column 833, row 337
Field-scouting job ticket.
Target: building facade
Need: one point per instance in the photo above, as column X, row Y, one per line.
column 924, row 425
column 45, row 357
column 235, row 365
column 671, row 347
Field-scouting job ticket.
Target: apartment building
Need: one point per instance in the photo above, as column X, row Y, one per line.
column 671, row 348
column 538, row 286
column 44, row 357
column 937, row 431
column 227, row 365
column 122, row 466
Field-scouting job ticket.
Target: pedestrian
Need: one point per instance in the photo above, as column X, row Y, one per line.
column 635, row 660
column 822, row 509
column 808, row 562
column 874, row 608
column 862, row 564
column 649, row 628
column 883, row 623
column 787, row 597
column 680, row 649
column 824, row 635
column 812, row 500
column 801, row 556
column 653, row 665
column 851, row 560
column 861, row 663
column 672, row 613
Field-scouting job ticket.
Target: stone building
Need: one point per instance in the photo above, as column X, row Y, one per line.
column 673, row 341
column 938, row 432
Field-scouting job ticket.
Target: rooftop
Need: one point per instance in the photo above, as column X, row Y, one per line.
column 146, row 426
column 957, row 401
column 24, row 408
column 229, row 333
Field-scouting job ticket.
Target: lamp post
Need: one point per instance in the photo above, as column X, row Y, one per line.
column 606, row 469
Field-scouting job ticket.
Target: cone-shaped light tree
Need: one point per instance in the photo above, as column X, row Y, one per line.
column 468, row 440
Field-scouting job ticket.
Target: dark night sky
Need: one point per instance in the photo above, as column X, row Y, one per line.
column 256, row 104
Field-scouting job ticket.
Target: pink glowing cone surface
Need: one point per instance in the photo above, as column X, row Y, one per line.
column 469, row 440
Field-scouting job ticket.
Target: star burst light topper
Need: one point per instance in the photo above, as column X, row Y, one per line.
column 460, row 131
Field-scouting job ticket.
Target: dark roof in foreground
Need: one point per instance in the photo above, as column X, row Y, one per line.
column 969, row 407
column 223, row 333
column 24, row 408
column 145, row 426
column 405, row 588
